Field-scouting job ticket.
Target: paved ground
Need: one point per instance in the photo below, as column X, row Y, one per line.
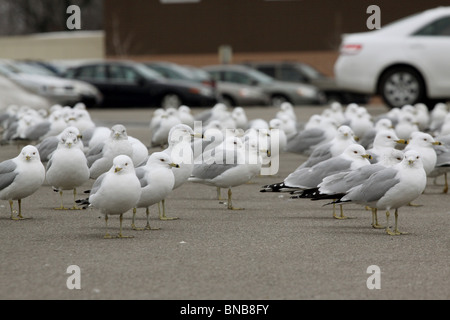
column 274, row 249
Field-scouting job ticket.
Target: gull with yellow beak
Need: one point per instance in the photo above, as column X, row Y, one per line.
column 115, row 192
column 67, row 168
column 391, row 188
column 20, row 177
column 353, row 157
column 157, row 180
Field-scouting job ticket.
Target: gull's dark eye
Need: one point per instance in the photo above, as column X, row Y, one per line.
column 389, row 137
column 34, row 153
column 162, row 160
column 417, row 157
column 355, row 152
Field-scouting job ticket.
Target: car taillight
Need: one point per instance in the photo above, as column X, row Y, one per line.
column 210, row 83
column 351, row 48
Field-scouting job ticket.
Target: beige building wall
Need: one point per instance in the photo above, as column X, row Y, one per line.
column 72, row 45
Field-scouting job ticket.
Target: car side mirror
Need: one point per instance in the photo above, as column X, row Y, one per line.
column 254, row 82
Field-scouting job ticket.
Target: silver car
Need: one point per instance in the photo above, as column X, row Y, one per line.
column 57, row 90
column 278, row 91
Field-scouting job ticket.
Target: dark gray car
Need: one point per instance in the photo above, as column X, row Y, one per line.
column 299, row 72
column 278, row 91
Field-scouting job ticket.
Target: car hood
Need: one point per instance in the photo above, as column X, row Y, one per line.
column 40, row 80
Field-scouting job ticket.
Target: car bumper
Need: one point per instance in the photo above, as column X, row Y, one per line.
column 353, row 75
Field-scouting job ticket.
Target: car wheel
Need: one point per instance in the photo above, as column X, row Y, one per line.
column 170, row 100
column 228, row 101
column 277, row 100
column 400, row 86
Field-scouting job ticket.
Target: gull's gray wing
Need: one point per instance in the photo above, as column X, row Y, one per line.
column 312, row 177
column 319, row 154
column 47, row 147
column 343, row 181
column 208, row 171
column 140, row 173
column 95, row 153
column 7, row 173
column 97, row 184
column 38, row 130
column 374, row 188
column 305, row 139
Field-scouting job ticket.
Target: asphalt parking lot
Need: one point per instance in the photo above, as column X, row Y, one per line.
column 275, row 249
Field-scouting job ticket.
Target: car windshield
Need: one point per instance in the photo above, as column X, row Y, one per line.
column 260, row 77
column 310, row 71
column 147, row 72
column 30, row 69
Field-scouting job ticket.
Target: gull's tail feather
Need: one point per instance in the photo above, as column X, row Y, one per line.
column 277, row 187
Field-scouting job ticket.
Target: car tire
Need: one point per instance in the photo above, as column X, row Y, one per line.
column 228, row 101
column 277, row 99
column 400, row 86
column 170, row 100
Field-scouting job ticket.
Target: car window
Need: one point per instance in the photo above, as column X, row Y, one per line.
column 440, row 27
column 92, row 72
column 289, row 74
column 269, row 70
column 237, row 77
column 122, row 74
column 215, row 75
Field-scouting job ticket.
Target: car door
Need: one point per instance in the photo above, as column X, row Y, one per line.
column 430, row 47
column 96, row 75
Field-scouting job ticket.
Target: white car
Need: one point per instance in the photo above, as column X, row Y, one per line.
column 405, row 62
column 55, row 89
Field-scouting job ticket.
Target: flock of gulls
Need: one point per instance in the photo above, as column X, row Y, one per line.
column 381, row 163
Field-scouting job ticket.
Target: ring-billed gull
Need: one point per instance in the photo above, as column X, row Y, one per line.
column 100, row 157
column 391, row 188
column 20, row 177
column 306, row 140
column 344, row 137
column 384, row 142
column 156, row 180
column 424, row 144
column 336, row 185
column 229, row 167
column 47, row 146
column 67, row 169
column 115, row 191
column 353, row 157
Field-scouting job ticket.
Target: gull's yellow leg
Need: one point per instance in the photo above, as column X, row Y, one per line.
column 396, row 231
column 388, row 229
column 446, row 184
column 75, row 207
column 163, row 217
column 107, row 235
column 120, row 235
column 219, row 195
column 230, row 203
column 19, row 202
column 133, row 226
column 11, row 204
column 342, row 216
column 62, row 203
column 375, row 224
column 147, row 227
